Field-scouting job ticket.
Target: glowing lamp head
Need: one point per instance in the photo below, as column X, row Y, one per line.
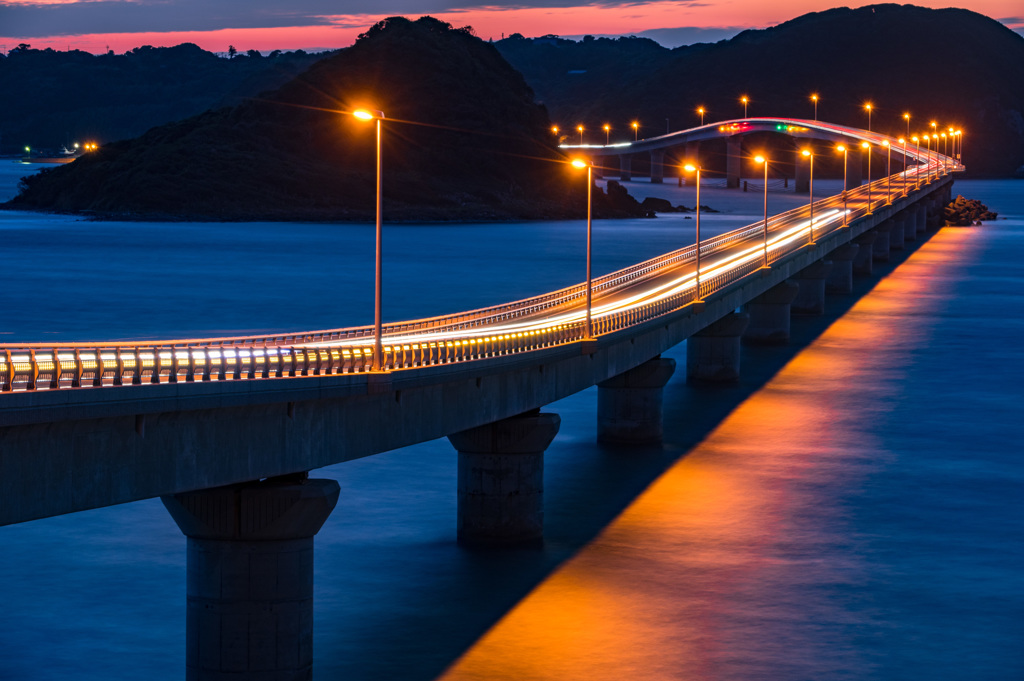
column 805, row 152
column 868, row 106
column 885, row 143
column 579, row 163
column 607, row 127
column 635, row 125
column 744, row 99
column 865, row 145
column 926, row 137
column 579, row 128
column 364, row 114
column 554, row 129
column 943, row 135
column 840, row 147
column 760, row 159
column 690, row 168
column 916, row 138
column 814, row 98
column 906, row 116
column 902, row 140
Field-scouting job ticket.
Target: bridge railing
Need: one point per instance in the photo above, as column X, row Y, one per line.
column 441, row 340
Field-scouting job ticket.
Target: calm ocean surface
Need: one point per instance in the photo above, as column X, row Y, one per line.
column 854, row 509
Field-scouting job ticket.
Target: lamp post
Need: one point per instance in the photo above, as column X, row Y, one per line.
column 607, row 133
column 579, row 129
column 868, row 107
column 888, row 175
column 906, row 117
column 691, row 168
column 814, row 98
column 745, row 101
column 764, row 160
column 554, row 130
column 378, row 344
column 584, row 163
column 700, row 110
column 944, row 154
column 903, row 141
column 928, row 159
column 636, row 131
column 808, row 154
column 846, row 153
column 917, row 174
column 959, row 146
column 865, row 145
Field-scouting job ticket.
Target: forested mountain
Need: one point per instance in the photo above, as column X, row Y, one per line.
column 952, row 66
column 53, row 98
column 463, row 139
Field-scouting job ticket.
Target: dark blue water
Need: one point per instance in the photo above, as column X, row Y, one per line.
column 857, row 513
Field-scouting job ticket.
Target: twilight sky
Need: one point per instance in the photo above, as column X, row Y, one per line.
column 93, row 25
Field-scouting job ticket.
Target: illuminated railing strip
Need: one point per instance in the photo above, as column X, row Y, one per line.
column 513, row 328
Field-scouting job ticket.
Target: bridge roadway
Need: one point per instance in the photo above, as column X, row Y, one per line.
column 225, row 430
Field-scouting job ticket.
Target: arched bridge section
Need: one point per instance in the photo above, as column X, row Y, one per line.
column 732, row 131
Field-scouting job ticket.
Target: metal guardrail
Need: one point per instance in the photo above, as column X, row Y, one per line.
column 448, row 339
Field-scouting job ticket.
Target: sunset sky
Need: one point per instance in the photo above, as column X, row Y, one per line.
column 95, row 25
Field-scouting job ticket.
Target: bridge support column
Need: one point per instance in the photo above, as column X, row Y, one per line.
column 713, row 354
column 896, row 234
column 921, row 219
column 657, row 166
column 840, row 279
column 863, row 261
column 810, row 297
column 733, row 161
column 501, row 479
column 769, row 315
column 855, row 170
column 802, row 182
column 880, row 249
column 249, row 583
column 629, row 405
column 625, row 168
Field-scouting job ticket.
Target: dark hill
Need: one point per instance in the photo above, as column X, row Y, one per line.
column 53, row 98
column 953, row 66
column 478, row 149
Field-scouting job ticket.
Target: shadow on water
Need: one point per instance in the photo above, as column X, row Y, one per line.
column 427, row 622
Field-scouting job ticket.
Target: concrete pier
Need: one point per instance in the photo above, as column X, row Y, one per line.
column 713, row 354
column 840, row 279
column 249, row 581
column 863, row 261
column 501, row 479
column 810, row 297
column 769, row 315
column 896, row 233
column 802, row 180
column 629, row 405
column 880, row 249
column 909, row 226
column 920, row 219
column 733, row 161
column 625, row 168
column 657, row 166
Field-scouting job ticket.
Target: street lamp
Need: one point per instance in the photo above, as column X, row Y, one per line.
column 691, row 168
column 846, row 153
column 378, row 344
column 554, row 129
column 917, row 173
column 906, row 117
column 700, row 110
column 581, row 163
column 865, row 145
column 636, row 131
column 814, row 98
column 579, row 129
column 808, row 154
column 868, row 107
column 764, row 160
column 959, row 146
column 745, row 101
column 903, row 141
column 928, row 159
column 888, row 175
column 607, row 132
column 944, row 154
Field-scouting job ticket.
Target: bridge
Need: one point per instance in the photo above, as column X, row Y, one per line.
column 225, row 430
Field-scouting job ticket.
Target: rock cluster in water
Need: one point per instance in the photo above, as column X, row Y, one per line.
column 963, row 212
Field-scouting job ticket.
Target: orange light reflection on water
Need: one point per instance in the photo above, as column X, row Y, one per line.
column 723, row 563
